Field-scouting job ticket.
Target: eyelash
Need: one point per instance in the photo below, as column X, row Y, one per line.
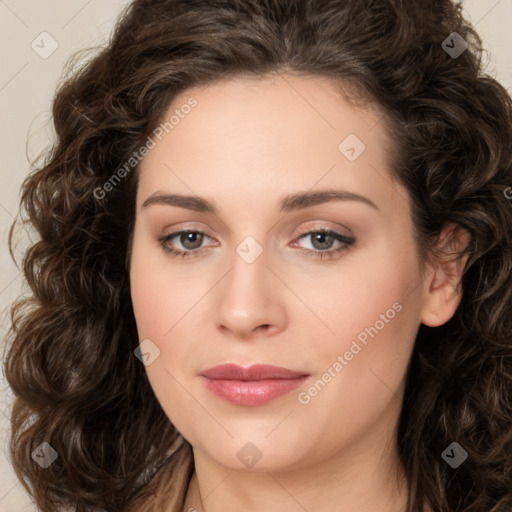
column 346, row 241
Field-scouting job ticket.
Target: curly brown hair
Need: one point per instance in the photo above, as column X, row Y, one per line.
column 70, row 362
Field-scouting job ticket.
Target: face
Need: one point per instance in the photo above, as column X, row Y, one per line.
column 326, row 286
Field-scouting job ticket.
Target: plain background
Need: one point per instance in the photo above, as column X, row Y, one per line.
column 29, row 30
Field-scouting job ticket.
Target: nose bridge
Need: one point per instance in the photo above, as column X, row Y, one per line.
column 247, row 281
column 247, row 299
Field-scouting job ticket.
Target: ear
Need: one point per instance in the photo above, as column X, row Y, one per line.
column 442, row 288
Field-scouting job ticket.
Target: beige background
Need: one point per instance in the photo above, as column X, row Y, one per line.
column 27, row 85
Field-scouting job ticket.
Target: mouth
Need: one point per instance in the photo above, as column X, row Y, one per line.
column 251, row 386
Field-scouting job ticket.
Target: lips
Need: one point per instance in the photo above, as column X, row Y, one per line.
column 255, row 372
column 252, row 386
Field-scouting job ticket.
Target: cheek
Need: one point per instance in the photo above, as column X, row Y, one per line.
column 164, row 303
column 159, row 298
column 376, row 319
column 160, row 312
column 149, row 305
column 376, row 322
column 371, row 300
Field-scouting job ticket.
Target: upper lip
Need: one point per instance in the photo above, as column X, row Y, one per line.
column 255, row 372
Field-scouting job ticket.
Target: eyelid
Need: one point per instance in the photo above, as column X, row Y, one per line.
column 319, row 226
column 322, row 226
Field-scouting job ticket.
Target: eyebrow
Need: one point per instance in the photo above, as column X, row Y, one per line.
column 287, row 204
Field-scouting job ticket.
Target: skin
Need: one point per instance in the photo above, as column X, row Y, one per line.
column 248, row 143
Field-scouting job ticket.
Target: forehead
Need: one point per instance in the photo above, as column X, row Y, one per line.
column 300, row 104
column 255, row 135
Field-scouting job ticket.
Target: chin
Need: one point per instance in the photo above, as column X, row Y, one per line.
column 255, row 456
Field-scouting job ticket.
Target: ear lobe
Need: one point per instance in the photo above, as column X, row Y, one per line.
column 443, row 289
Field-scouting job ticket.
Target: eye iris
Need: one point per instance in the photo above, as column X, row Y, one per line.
column 189, row 237
column 324, row 245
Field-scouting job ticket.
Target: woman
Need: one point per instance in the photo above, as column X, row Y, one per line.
column 274, row 267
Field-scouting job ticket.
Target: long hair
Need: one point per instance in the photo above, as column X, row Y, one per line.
column 71, row 362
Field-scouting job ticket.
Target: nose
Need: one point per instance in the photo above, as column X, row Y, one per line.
column 249, row 301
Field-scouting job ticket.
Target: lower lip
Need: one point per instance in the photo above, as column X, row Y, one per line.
column 252, row 392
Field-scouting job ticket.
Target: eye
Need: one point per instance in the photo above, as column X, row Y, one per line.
column 191, row 241
column 322, row 241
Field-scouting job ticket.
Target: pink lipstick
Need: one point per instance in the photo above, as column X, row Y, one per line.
column 251, row 386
